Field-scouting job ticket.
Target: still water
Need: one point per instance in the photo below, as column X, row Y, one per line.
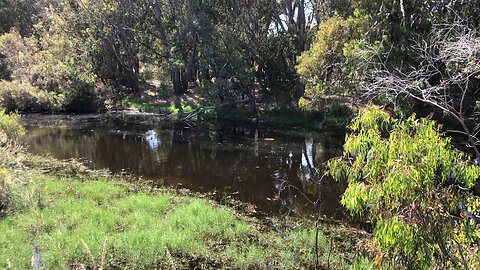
column 252, row 163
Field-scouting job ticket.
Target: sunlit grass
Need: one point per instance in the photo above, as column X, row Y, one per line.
column 170, row 108
column 97, row 223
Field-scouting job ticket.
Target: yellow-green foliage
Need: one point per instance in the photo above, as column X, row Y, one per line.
column 10, row 126
column 405, row 177
column 48, row 59
column 17, row 52
column 325, row 58
column 21, row 96
column 10, row 130
column 46, row 70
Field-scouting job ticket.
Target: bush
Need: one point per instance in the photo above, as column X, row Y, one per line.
column 16, row 55
column 10, row 130
column 5, row 73
column 321, row 67
column 21, row 96
column 405, row 177
column 81, row 98
column 10, row 126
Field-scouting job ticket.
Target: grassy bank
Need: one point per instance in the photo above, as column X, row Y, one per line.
column 71, row 222
column 95, row 223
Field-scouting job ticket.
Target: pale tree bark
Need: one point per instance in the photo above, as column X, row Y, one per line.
column 176, row 74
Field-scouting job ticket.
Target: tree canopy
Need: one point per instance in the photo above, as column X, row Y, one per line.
column 270, row 52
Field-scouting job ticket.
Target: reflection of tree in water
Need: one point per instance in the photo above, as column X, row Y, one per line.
column 225, row 158
column 297, row 192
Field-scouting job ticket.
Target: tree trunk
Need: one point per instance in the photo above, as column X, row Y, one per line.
column 405, row 14
column 176, row 75
column 178, row 81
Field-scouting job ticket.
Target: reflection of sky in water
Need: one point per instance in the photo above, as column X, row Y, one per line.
column 279, row 183
column 152, row 139
column 289, row 160
column 307, row 159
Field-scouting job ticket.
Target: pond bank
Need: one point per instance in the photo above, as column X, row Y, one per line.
column 71, row 217
column 334, row 115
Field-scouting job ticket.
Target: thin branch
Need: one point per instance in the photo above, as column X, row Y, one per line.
column 449, row 60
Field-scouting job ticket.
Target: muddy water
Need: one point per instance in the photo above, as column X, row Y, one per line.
column 251, row 163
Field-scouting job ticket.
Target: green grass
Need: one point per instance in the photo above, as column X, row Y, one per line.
column 168, row 108
column 332, row 116
column 99, row 223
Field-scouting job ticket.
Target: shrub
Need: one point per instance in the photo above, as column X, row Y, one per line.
column 321, row 67
column 5, row 73
column 81, row 98
column 21, row 96
column 405, row 177
column 10, row 129
column 10, row 126
column 16, row 55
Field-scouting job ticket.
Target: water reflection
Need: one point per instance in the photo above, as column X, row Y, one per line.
column 255, row 162
column 152, row 139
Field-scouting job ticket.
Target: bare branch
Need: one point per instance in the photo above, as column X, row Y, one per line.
column 449, row 58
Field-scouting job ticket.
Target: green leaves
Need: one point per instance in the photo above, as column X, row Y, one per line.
column 358, row 197
column 405, row 177
column 371, row 119
column 321, row 65
column 10, row 126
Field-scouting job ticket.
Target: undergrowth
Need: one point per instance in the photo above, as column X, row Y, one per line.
column 21, row 96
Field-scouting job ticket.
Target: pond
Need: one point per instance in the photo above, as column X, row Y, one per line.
column 270, row 168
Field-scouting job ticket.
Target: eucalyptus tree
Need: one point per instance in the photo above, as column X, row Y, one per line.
column 231, row 49
column 166, row 20
column 407, row 180
column 107, row 29
column 214, row 46
column 290, row 33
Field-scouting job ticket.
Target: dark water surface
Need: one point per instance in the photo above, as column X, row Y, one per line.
column 249, row 162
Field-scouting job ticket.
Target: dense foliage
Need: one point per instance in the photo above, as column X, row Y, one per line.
column 406, row 178
column 323, row 66
column 242, row 53
column 22, row 96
